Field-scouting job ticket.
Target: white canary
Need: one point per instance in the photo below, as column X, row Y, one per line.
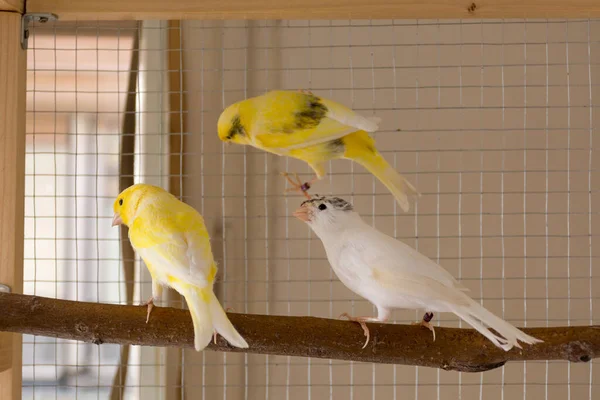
column 391, row 274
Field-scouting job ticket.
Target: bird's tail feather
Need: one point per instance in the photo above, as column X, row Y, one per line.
column 208, row 316
column 222, row 324
column 373, row 161
column 478, row 317
column 201, row 317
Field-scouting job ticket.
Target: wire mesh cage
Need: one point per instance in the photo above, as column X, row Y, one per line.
column 493, row 121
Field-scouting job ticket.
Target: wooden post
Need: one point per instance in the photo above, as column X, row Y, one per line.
column 313, row 9
column 15, row 6
column 12, row 186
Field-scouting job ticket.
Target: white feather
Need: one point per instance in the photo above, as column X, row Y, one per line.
column 178, row 265
column 350, row 118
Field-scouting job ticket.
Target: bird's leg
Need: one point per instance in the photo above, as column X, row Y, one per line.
column 150, row 305
column 157, row 290
column 297, row 185
column 361, row 321
column 426, row 323
column 215, row 332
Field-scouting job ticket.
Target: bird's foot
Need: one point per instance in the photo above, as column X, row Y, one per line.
column 426, row 323
column 297, row 185
column 361, row 321
column 304, row 91
column 150, row 305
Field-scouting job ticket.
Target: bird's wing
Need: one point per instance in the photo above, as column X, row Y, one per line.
column 348, row 117
column 178, row 245
column 416, row 262
column 375, row 277
column 422, row 289
column 289, row 120
column 395, row 258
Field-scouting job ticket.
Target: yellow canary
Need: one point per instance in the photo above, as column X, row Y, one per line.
column 312, row 129
column 171, row 238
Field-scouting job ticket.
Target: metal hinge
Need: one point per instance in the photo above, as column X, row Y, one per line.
column 35, row 17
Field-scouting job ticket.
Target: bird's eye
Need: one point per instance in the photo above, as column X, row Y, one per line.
column 120, row 202
column 322, row 207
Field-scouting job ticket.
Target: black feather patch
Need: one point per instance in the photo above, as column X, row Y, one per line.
column 336, row 146
column 336, row 202
column 236, row 128
column 312, row 114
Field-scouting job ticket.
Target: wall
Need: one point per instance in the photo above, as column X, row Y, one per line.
column 493, row 122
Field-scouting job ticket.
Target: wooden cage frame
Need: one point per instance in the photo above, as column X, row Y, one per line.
column 13, row 68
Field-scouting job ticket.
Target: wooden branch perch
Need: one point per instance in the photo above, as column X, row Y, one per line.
column 454, row 349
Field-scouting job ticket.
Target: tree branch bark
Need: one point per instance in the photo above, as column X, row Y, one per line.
column 454, row 349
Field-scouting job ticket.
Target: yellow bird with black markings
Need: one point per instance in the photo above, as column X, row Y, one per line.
column 313, row 129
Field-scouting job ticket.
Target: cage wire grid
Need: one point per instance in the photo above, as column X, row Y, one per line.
column 492, row 120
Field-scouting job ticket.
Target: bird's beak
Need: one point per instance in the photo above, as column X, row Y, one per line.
column 302, row 214
column 117, row 220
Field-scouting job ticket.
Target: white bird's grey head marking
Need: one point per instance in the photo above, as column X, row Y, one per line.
column 326, row 214
column 335, row 202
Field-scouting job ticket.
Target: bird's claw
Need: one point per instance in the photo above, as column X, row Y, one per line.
column 426, row 325
column 297, row 185
column 304, row 91
column 364, row 327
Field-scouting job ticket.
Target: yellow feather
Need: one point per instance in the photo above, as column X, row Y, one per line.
column 212, row 273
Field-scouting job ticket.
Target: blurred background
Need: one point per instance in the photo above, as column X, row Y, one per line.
column 493, row 121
